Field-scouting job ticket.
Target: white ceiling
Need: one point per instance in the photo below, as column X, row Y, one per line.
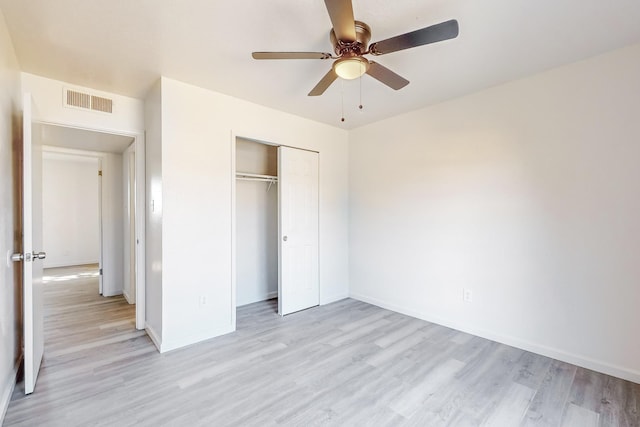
column 81, row 139
column 123, row 46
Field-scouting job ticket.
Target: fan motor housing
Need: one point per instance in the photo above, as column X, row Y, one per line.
column 358, row 47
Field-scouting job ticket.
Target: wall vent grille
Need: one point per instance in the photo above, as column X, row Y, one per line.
column 78, row 99
column 101, row 104
column 88, row 102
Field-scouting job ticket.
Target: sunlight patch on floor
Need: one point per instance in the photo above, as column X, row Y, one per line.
column 68, row 277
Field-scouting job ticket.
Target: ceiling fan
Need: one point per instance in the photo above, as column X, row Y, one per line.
column 350, row 40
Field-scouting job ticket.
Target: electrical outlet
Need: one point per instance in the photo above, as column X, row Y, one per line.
column 467, row 295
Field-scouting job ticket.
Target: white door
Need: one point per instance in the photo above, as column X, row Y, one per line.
column 298, row 284
column 32, row 249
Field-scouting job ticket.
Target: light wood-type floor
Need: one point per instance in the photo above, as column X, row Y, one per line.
column 343, row 364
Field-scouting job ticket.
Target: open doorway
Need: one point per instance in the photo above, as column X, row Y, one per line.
column 90, row 216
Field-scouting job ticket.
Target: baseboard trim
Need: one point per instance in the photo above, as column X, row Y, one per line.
column 109, row 294
column 554, row 353
column 8, row 391
column 154, row 337
column 186, row 341
column 323, row 299
column 333, row 298
column 263, row 297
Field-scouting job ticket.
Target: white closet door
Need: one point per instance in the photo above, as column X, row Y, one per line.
column 298, row 180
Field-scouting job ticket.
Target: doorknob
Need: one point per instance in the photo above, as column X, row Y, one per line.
column 284, row 238
column 22, row 257
column 28, row 257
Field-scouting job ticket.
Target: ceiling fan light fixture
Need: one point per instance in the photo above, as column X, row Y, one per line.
column 351, row 67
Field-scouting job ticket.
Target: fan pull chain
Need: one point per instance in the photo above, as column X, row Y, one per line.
column 342, row 98
column 360, row 106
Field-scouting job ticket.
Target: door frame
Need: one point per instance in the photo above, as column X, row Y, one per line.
column 101, row 231
column 140, row 207
column 129, row 242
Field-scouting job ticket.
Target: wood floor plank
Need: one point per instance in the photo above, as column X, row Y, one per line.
column 511, row 409
column 532, row 370
column 408, row 403
column 575, row 415
column 344, row 364
column 620, row 404
column 550, row 401
column 406, row 329
column 393, row 351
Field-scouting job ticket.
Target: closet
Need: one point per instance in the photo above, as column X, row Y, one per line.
column 256, row 222
column 276, row 225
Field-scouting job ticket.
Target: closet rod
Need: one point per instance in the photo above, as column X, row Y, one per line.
column 261, row 178
column 255, row 175
column 246, row 178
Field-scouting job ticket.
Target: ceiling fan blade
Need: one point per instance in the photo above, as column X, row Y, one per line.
column 324, row 83
column 290, row 55
column 386, row 76
column 341, row 14
column 435, row 33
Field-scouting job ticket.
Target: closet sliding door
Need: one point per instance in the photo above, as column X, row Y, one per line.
column 298, row 284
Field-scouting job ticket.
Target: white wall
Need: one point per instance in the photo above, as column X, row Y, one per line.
column 256, row 224
column 127, row 117
column 529, row 195
column 70, row 210
column 197, row 128
column 10, row 301
column 153, row 223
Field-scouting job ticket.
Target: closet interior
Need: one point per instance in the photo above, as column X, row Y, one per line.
column 256, row 222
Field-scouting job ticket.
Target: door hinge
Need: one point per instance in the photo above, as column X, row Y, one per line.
column 100, row 272
column 99, row 173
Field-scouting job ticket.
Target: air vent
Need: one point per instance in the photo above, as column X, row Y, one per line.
column 78, row 99
column 87, row 102
column 101, row 104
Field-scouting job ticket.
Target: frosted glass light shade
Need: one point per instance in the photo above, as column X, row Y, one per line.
column 351, row 67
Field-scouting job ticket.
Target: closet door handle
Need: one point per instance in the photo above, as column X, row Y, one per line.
column 284, row 238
